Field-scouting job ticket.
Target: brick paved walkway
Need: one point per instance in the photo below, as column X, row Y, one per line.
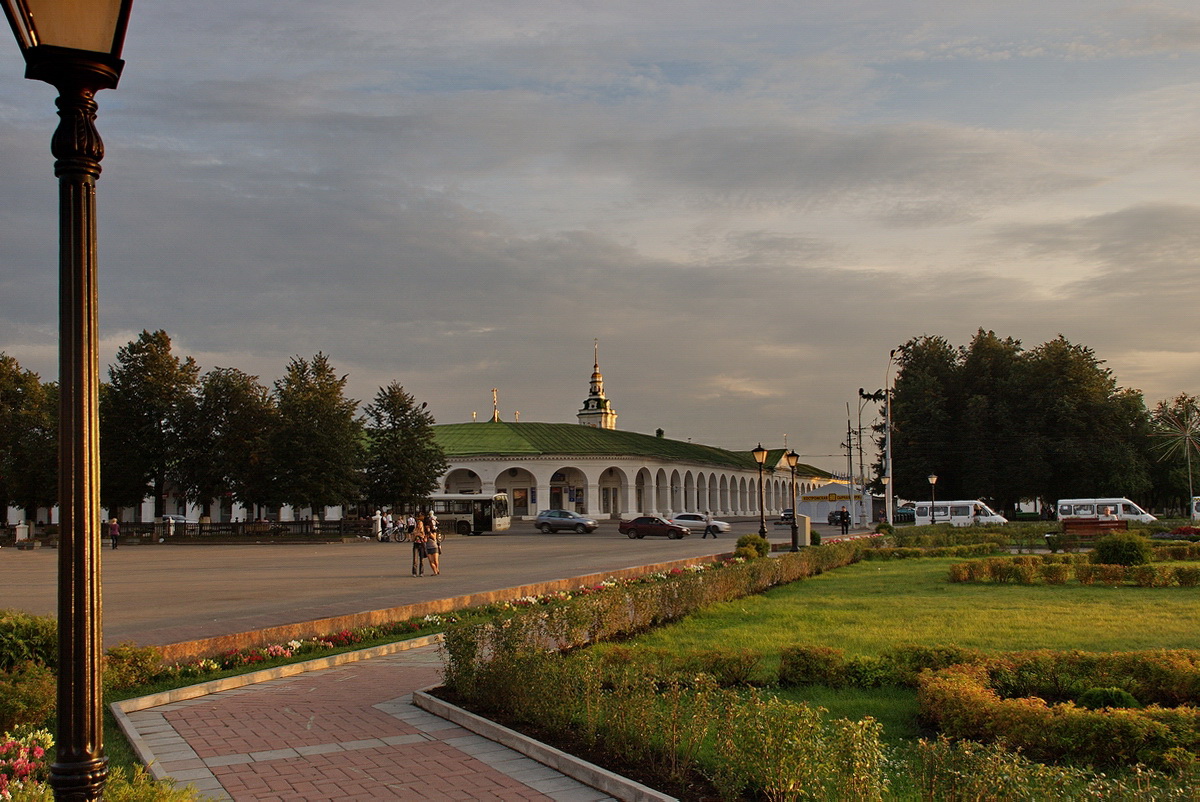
column 343, row 733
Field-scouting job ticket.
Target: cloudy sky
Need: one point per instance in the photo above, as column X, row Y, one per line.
column 748, row 204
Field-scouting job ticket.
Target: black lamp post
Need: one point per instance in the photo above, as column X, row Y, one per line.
column 932, row 498
column 760, row 456
column 76, row 47
column 792, row 460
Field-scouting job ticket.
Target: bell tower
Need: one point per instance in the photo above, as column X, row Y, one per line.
column 597, row 412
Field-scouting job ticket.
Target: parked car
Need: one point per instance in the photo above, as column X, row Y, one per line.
column 697, row 522
column 177, row 519
column 556, row 520
column 787, row 516
column 904, row 515
column 652, row 525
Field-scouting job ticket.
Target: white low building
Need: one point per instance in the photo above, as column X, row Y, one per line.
column 591, row 467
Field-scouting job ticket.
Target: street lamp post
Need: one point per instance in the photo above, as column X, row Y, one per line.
column 760, row 456
column 76, row 47
column 932, row 498
column 792, row 460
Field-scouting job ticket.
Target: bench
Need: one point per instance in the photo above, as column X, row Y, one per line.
column 1083, row 532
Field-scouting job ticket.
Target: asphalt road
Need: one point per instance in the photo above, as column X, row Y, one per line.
column 158, row 594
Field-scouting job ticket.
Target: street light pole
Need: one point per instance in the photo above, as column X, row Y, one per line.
column 932, row 498
column 76, row 48
column 792, row 460
column 887, row 439
column 760, row 456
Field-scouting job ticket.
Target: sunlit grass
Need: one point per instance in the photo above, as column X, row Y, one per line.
column 866, row 608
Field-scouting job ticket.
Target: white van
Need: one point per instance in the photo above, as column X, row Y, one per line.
column 1196, row 508
column 959, row 513
column 1112, row 509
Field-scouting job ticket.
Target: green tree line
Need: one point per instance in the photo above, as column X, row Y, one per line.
column 222, row 434
column 995, row 421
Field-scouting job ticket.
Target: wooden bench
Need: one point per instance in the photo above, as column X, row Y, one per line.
column 1085, row 532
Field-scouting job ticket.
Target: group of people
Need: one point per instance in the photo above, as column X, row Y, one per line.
column 399, row 528
column 421, row 529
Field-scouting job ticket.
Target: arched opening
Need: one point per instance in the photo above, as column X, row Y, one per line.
column 463, row 480
column 521, row 486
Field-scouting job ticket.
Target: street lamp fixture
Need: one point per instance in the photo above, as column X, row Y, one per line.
column 932, row 497
column 76, row 47
column 792, row 460
column 760, row 456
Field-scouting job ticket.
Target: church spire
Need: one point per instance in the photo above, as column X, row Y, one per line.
column 597, row 412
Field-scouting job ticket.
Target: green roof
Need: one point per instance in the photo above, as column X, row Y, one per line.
column 499, row 438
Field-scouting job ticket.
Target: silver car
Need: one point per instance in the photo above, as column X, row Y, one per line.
column 555, row 520
column 698, row 523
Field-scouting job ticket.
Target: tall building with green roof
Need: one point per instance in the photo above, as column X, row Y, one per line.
column 594, row 468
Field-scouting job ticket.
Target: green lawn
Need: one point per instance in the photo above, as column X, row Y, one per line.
column 867, row 607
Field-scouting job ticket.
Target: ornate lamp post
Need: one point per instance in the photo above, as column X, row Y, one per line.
column 76, row 47
column 932, row 497
column 760, row 456
column 792, row 460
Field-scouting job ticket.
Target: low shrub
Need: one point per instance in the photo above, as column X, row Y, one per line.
column 1187, row 576
column 25, row 638
column 727, row 667
column 1027, row 699
column 27, row 695
column 1152, row 576
column 1054, row 573
column 1112, row 575
column 965, row 771
column 757, row 542
column 127, row 665
column 1122, row 548
column 1100, row 698
column 812, row 665
column 1085, row 573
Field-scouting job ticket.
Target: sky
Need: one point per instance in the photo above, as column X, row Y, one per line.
column 748, row 205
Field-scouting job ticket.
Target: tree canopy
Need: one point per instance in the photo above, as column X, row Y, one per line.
column 995, row 421
column 403, row 459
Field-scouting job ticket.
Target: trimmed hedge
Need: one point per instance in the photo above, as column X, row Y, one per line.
column 1058, row 569
column 898, row 666
column 1028, row 700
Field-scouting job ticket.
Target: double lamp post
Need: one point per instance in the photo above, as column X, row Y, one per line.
column 75, row 45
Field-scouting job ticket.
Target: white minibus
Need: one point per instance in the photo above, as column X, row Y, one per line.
column 959, row 513
column 1112, row 509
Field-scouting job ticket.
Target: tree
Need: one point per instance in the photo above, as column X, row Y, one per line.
column 318, row 444
column 143, row 411
column 1176, row 430
column 28, row 439
column 997, row 422
column 226, row 441
column 404, row 460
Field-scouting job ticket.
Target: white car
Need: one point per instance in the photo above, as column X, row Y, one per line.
column 697, row 523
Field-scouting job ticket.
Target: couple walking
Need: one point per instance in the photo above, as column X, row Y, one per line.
column 425, row 545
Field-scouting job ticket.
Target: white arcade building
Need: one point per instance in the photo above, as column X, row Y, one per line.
column 592, row 467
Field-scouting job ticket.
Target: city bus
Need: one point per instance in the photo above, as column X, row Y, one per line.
column 471, row 513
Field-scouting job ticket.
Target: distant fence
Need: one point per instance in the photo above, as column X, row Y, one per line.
column 150, row 532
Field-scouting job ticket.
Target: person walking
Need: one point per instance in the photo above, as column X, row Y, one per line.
column 709, row 529
column 418, row 541
column 433, row 549
column 114, row 532
column 844, row 520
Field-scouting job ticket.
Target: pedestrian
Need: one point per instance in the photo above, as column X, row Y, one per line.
column 418, row 541
column 709, row 529
column 114, row 532
column 844, row 520
column 377, row 525
column 433, row 549
column 410, row 524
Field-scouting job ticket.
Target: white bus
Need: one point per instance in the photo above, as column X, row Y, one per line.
column 1116, row 509
column 959, row 513
column 471, row 513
